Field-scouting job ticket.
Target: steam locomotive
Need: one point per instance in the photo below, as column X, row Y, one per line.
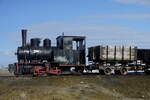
column 39, row 60
column 69, row 57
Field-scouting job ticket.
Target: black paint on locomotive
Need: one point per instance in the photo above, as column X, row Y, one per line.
column 65, row 53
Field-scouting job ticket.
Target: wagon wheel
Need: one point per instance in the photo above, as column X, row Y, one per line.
column 107, row 71
column 123, row 71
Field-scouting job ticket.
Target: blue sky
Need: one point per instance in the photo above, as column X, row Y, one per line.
column 103, row 22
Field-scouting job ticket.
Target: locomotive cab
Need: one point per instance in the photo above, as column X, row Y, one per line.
column 71, row 42
column 76, row 44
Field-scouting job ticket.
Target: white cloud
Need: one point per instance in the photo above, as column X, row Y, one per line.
column 121, row 16
column 139, row 2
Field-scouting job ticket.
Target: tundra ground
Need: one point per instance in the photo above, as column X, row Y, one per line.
column 86, row 87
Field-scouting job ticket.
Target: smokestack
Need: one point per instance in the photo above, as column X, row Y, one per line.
column 24, row 37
